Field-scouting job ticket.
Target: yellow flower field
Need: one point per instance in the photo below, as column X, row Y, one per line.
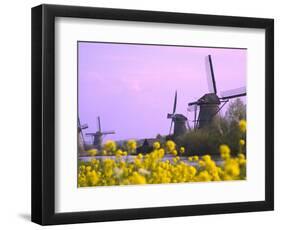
column 153, row 168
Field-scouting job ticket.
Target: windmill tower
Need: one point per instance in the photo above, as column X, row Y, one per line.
column 97, row 137
column 81, row 140
column 178, row 120
column 210, row 103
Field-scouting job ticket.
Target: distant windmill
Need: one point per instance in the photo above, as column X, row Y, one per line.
column 81, row 136
column 98, row 136
column 210, row 103
column 178, row 120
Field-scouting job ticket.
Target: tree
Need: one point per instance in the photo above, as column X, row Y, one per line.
column 236, row 111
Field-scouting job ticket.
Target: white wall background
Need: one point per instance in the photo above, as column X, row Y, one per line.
column 15, row 113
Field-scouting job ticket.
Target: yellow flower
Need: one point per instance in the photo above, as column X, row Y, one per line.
column 82, row 167
column 93, row 178
column 110, row 146
column 175, row 152
column 118, row 172
column 192, row 170
column 203, row 176
column 243, row 125
column 156, row 145
column 176, row 159
column 131, row 145
column 241, row 156
column 195, row 158
column 118, row 153
column 170, row 145
column 225, row 152
column 201, row 163
column 232, row 168
column 182, row 150
column 206, row 158
column 108, row 171
column 211, row 167
column 161, row 153
column 137, row 162
column 143, row 171
column 82, row 182
column 136, row 178
column 88, row 168
column 92, row 152
column 242, row 142
column 242, row 162
column 153, row 168
column 94, row 162
column 241, row 159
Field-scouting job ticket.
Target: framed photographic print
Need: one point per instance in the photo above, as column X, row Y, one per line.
column 142, row 114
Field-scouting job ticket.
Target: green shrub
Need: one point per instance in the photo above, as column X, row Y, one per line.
column 223, row 130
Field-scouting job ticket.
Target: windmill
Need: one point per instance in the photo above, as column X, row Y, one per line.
column 178, row 120
column 98, row 135
column 210, row 103
column 81, row 140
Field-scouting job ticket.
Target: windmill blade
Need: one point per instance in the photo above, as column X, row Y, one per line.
column 187, row 121
column 195, row 117
column 80, row 132
column 192, row 103
column 80, row 128
column 85, row 126
column 175, row 102
column 170, row 131
column 171, row 116
column 210, row 75
column 99, row 125
column 91, row 134
column 188, row 125
column 79, row 124
column 108, row 132
column 238, row 92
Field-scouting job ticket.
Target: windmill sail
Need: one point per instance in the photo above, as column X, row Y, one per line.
column 80, row 128
column 238, row 92
column 175, row 102
column 195, row 117
column 108, row 132
column 99, row 125
column 210, row 103
column 212, row 86
column 170, row 130
column 81, row 139
column 192, row 104
column 188, row 125
column 171, row 116
column 97, row 136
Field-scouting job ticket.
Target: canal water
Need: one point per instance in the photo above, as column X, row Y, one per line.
column 131, row 158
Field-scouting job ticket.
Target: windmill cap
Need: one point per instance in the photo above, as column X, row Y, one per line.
column 179, row 117
column 209, row 98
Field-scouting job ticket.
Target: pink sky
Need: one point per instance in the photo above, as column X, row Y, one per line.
column 132, row 87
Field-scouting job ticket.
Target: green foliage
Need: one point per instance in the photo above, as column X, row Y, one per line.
column 224, row 130
column 199, row 142
column 236, row 111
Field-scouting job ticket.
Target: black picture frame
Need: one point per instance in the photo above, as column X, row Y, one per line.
column 43, row 114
